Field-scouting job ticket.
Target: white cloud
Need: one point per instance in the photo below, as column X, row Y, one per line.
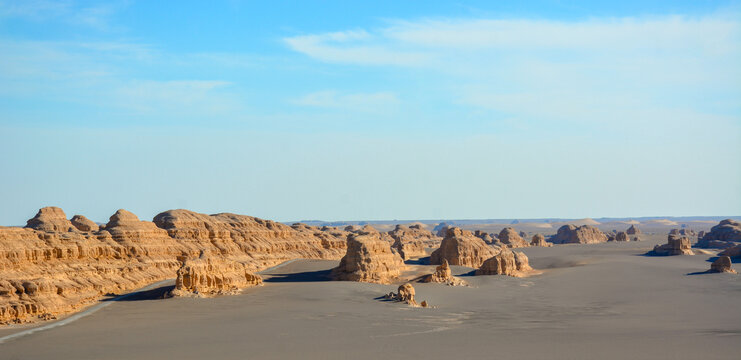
column 377, row 101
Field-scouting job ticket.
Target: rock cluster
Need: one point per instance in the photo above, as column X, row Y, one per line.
column 410, row 241
column 510, row 238
column 507, row 262
column 55, row 266
column 443, row 275
column 676, row 245
column 539, row 240
column 722, row 265
column 460, row 247
column 724, row 235
column 208, row 276
column 368, row 259
column 405, row 293
column 572, row 234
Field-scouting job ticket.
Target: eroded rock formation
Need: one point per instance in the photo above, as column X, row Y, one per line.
column 724, row 235
column 411, row 241
column 539, row 240
column 507, row 262
column 406, row 294
column 633, row 230
column 460, row 247
column 676, row 245
column 51, row 219
column 443, row 275
column 208, row 276
column 622, row 236
column 369, row 259
column 572, row 234
column 83, row 224
column 722, row 265
column 510, row 238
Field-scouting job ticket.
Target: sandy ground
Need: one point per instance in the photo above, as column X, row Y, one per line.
column 602, row 301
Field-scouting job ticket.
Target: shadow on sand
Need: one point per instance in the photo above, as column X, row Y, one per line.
column 420, row 261
column 308, row 276
column 154, row 294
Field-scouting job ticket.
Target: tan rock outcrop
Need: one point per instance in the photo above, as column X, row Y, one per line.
column 406, row 294
column 724, row 235
column 209, row 276
column 369, row 259
column 50, row 219
column 507, row 262
column 622, row 236
column 539, row 240
column 411, row 241
column 83, row 224
column 67, row 270
column 443, row 275
column 572, row 234
column 633, row 230
column 676, row 245
column 509, row 237
column 722, row 265
column 460, row 247
column 733, row 252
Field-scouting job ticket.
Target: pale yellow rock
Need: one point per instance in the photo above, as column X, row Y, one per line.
column 722, row 265
column 443, row 275
column 369, row 259
column 676, row 245
column 539, row 240
column 208, row 276
column 507, row 262
column 509, row 237
column 461, row 247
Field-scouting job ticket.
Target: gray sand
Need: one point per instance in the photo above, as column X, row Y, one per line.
column 600, row 301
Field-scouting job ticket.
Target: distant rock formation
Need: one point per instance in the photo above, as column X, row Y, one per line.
column 724, row 235
column 83, row 224
column 676, row 245
column 50, row 219
column 507, row 262
column 687, row 232
column 733, row 252
column 405, row 293
column 633, row 230
column 460, row 247
column 483, row 236
column 52, row 268
column 572, row 234
column 368, row 259
column 722, row 265
column 209, row 276
column 411, row 241
column 509, row 237
column 442, row 275
column 539, row 240
column 622, row 236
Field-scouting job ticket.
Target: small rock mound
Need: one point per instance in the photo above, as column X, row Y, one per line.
column 622, row 236
column 443, row 275
column 676, row 245
column 50, row 218
column 507, row 262
column 509, row 237
column 83, row 224
column 722, row 265
column 539, row 240
column 460, row 247
column 405, row 293
column 368, row 259
column 209, row 276
column 572, row 234
column 633, row 230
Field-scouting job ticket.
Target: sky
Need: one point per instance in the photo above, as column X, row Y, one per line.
column 350, row 110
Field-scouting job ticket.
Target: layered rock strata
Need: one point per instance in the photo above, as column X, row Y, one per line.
column 410, row 241
column 572, row 234
column 510, row 238
column 676, row 245
column 460, row 247
column 724, row 235
column 507, row 262
column 209, row 276
column 369, row 259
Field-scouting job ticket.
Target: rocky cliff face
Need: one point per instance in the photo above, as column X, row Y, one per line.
column 507, row 262
column 460, row 247
column 724, row 235
column 411, row 241
column 510, row 238
column 539, row 240
column 572, row 234
column 676, row 245
column 369, row 259
column 53, row 267
column 208, row 276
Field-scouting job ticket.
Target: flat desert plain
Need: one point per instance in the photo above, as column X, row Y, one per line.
column 596, row 301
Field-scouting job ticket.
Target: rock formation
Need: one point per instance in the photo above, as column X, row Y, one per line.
column 722, row 265
column 539, row 240
column 572, row 234
column 411, row 241
column 51, row 268
column 622, row 236
column 633, row 230
column 405, row 293
column 84, row 224
column 483, row 236
column 442, row 275
column 724, row 235
column 208, row 276
column 510, row 238
column 507, row 262
column 676, row 245
column 733, row 252
column 460, row 247
column 368, row 259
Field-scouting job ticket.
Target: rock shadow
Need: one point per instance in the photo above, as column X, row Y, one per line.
column 420, row 261
column 734, row 260
column 153, row 294
column 308, row 276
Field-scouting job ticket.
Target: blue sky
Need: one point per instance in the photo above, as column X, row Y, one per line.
column 371, row 110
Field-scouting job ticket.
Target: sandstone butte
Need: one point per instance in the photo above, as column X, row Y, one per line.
column 726, row 234
column 213, row 275
column 443, row 275
column 722, row 265
column 539, row 240
column 368, row 258
column 411, row 241
column 633, row 230
column 572, row 234
column 622, row 236
column 507, row 262
column 461, row 247
column 676, row 245
column 510, row 238
column 55, row 266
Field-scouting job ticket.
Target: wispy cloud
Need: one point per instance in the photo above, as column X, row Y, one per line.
column 377, row 101
column 70, row 12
